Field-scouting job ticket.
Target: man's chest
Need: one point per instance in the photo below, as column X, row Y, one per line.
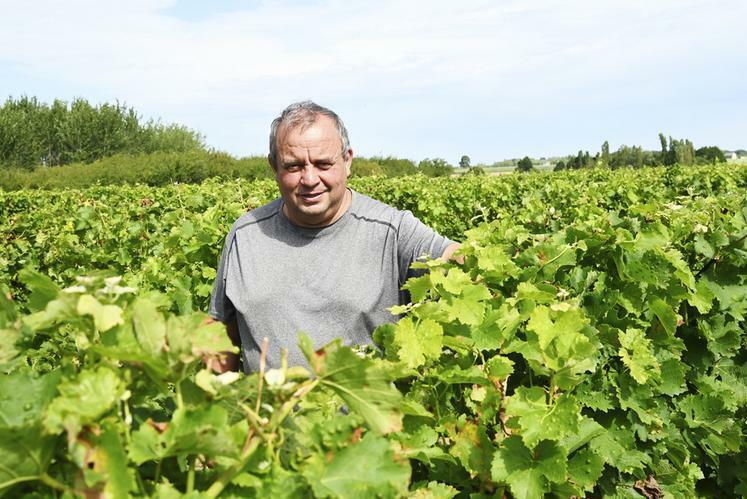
column 351, row 276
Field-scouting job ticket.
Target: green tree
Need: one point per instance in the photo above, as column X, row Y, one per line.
column 710, row 154
column 475, row 170
column 559, row 166
column 364, row 167
column 664, row 148
column 395, row 167
column 464, row 162
column 605, row 158
column 587, row 161
column 626, row 156
column 579, row 161
column 524, row 165
column 680, row 152
column 33, row 133
column 435, row 167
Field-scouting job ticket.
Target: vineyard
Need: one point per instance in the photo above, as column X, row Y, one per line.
column 592, row 344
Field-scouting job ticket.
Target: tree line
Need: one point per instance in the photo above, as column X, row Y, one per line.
column 33, row 133
column 76, row 144
column 98, row 140
column 673, row 151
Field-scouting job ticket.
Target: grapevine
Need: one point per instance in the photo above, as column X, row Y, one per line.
column 592, row 343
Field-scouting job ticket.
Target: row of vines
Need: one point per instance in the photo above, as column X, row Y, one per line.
column 592, row 344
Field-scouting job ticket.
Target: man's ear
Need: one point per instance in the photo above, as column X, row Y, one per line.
column 348, row 162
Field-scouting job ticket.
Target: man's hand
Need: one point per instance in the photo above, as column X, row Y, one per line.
column 448, row 253
column 228, row 361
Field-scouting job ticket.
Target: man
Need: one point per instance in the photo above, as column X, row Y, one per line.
column 322, row 258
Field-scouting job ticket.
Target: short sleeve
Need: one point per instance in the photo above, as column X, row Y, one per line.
column 221, row 307
column 416, row 240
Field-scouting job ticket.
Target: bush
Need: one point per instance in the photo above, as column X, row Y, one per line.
column 155, row 169
column 709, row 155
column 475, row 170
column 436, row 167
column 387, row 166
column 524, row 165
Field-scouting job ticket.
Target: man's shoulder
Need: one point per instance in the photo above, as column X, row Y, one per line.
column 257, row 216
column 367, row 207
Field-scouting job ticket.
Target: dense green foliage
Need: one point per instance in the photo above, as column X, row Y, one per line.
column 592, row 343
column 155, row 169
column 33, row 133
column 163, row 168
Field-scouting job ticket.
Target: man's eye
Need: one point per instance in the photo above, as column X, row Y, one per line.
column 292, row 168
column 324, row 166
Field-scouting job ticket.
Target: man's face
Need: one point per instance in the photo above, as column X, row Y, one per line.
column 312, row 173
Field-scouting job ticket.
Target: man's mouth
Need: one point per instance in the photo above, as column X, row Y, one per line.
column 311, row 196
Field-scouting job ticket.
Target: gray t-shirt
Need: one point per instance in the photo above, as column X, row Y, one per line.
column 333, row 282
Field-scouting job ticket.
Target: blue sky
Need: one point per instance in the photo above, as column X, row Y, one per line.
column 490, row 79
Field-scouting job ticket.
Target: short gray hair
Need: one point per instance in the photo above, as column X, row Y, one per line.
column 304, row 114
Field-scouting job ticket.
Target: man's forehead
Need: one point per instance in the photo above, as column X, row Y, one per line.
column 309, row 135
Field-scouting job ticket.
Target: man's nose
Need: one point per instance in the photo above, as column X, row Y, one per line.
column 309, row 175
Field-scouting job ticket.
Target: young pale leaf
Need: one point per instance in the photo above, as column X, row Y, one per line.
column 493, row 259
column 55, row 312
column 561, row 345
column 150, row 327
column 190, row 339
column 417, row 344
column 468, row 307
column 434, row 490
column 488, row 335
column 453, row 282
column 418, row 287
column 539, row 421
column 83, row 400
column 635, row 352
column 499, row 367
column 105, row 317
